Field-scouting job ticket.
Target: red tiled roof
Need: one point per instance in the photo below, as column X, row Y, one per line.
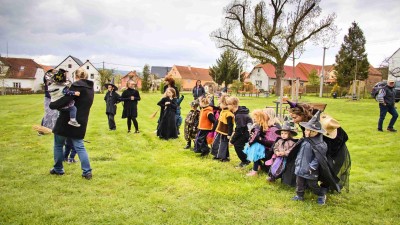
column 193, row 73
column 373, row 71
column 269, row 69
column 21, row 68
column 46, row 68
column 130, row 74
column 308, row 68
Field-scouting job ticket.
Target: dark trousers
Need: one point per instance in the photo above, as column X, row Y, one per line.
column 135, row 123
column 302, row 183
column 111, row 121
column 239, row 151
column 69, row 151
column 384, row 109
column 220, row 147
column 201, row 145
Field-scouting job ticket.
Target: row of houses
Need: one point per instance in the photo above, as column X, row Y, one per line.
column 26, row 73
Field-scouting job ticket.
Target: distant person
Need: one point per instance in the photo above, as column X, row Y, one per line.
column 198, row 90
column 62, row 130
column 60, row 86
column 130, row 97
column 111, row 98
column 386, row 105
column 169, row 82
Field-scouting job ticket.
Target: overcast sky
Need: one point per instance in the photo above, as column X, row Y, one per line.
column 126, row 34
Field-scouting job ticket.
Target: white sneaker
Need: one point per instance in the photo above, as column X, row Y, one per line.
column 74, row 123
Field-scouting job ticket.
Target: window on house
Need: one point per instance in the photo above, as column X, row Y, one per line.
column 258, row 70
column 69, row 65
column 22, row 68
column 87, row 67
column 258, row 83
column 17, row 85
column 92, row 76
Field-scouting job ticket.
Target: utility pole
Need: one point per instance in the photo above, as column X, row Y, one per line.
column 354, row 82
column 103, row 65
column 321, row 84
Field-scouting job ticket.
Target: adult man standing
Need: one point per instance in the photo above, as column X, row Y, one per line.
column 387, row 106
column 62, row 130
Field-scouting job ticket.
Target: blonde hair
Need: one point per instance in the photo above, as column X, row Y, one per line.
column 81, row 74
column 223, row 99
column 272, row 119
column 260, row 118
column 232, row 101
column 204, row 101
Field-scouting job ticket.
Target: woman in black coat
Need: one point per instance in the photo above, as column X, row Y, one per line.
column 130, row 97
column 111, row 98
column 62, row 130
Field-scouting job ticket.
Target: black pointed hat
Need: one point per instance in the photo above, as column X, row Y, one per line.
column 112, row 84
column 287, row 126
column 314, row 124
column 292, row 104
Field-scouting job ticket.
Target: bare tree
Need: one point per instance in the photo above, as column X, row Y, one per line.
column 271, row 32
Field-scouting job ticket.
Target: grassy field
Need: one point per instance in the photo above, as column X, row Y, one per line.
column 139, row 179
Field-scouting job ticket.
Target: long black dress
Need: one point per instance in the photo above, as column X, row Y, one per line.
column 167, row 125
column 130, row 106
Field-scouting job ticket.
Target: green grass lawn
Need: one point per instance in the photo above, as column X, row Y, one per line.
column 139, row 179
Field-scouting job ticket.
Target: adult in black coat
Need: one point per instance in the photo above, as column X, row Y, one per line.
column 130, row 97
column 62, row 130
column 198, row 90
column 111, row 98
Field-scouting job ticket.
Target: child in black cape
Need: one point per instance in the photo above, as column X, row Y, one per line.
column 167, row 126
column 112, row 98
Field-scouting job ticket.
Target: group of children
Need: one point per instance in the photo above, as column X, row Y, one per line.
column 258, row 138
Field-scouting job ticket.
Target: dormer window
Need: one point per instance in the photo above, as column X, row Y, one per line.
column 69, row 65
column 22, row 68
column 87, row 67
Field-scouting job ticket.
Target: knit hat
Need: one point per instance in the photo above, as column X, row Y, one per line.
column 314, row 124
column 330, row 125
column 112, row 84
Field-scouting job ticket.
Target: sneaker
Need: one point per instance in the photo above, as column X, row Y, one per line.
column 87, row 176
column 74, row 123
column 298, row 198
column 391, row 130
column 252, row 173
column 243, row 164
column 270, row 179
column 380, row 130
column 71, row 161
column 53, row 172
column 321, row 200
column 137, row 131
column 129, row 131
column 187, row 147
column 225, row 160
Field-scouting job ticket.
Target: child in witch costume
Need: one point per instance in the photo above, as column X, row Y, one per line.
column 112, row 98
column 311, row 162
column 130, row 97
column 192, row 123
column 167, row 126
column 220, row 146
column 281, row 148
column 206, row 125
column 243, row 124
column 58, row 88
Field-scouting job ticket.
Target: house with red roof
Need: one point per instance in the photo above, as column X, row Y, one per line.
column 374, row 76
column 132, row 75
column 263, row 76
column 21, row 73
column 189, row 75
column 329, row 71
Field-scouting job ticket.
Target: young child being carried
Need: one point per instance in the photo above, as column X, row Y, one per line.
column 191, row 123
column 282, row 147
column 59, row 86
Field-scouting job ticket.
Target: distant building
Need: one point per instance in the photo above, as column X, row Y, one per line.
column 189, row 75
column 132, row 75
column 394, row 65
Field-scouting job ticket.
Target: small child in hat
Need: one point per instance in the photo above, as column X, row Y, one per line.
column 282, row 147
column 191, row 123
column 311, row 154
column 59, row 86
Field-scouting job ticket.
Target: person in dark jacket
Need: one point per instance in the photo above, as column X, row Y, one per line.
column 130, row 97
column 388, row 107
column 62, row 130
column 311, row 161
column 198, row 90
column 111, row 98
column 243, row 123
column 169, row 82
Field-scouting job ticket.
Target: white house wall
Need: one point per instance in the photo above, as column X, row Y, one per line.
column 394, row 63
column 257, row 75
column 71, row 71
column 38, row 82
column 25, row 83
column 93, row 75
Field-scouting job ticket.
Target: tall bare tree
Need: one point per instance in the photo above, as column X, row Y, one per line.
column 271, row 32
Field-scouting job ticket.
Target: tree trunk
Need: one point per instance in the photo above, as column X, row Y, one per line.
column 280, row 74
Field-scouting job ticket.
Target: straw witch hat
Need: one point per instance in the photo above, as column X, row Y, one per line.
column 330, row 125
column 314, row 124
column 112, row 84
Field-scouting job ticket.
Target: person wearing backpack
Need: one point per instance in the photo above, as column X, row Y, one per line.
column 386, row 99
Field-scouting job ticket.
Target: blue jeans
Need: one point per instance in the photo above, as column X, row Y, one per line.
column 59, row 142
column 69, row 150
column 387, row 109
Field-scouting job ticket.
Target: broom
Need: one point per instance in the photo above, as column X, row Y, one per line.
column 154, row 114
column 42, row 129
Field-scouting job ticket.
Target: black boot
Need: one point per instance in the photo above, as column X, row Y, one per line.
column 188, row 145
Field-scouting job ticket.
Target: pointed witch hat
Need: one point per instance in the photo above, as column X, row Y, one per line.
column 314, row 124
column 112, row 84
column 292, row 104
column 287, row 126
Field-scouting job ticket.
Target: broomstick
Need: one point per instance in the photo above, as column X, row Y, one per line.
column 154, row 114
column 42, row 129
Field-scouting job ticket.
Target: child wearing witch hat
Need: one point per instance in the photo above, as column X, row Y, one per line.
column 311, row 162
column 282, row 147
column 112, row 98
column 58, row 87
